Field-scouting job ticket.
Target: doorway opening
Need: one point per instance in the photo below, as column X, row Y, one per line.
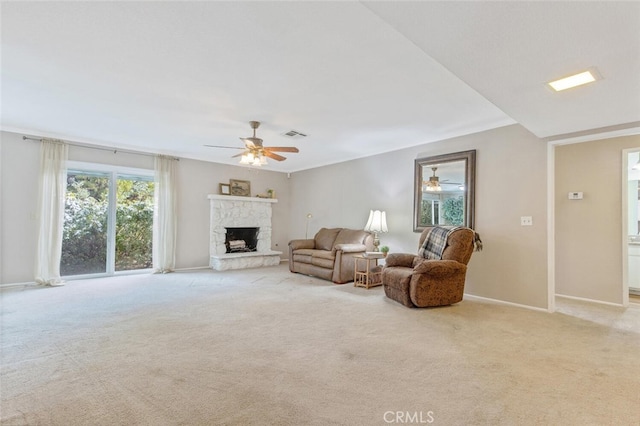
column 631, row 222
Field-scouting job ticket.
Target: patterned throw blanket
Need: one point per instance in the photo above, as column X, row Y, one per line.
column 436, row 242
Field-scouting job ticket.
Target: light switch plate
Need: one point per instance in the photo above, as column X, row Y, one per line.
column 526, row 221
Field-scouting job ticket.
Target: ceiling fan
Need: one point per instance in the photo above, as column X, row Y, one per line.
column 434, row 182
column 254, row 152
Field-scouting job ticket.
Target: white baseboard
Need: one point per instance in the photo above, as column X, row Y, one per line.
column 7, row 285
column 503, row 302
column 583, row 299
column 195, row 268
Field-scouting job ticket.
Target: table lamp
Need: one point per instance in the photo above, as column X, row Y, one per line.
column 377, row 223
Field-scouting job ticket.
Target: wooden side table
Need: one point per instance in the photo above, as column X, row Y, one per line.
column 367, row 273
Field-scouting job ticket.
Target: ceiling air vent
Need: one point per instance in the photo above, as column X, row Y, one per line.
column 294, row 134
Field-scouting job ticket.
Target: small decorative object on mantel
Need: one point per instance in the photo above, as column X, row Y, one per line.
column 240, row 188
column 225, row 189
column 270, row 194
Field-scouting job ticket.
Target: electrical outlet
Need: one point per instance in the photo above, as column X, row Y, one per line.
column 575, row 195
column 526, row 221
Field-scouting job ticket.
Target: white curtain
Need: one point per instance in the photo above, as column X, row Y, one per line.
column 53, row 185
column 164, row 215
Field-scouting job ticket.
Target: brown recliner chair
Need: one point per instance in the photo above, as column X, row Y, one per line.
column 418, row 282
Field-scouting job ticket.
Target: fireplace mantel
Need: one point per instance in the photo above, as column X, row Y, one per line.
column 229, row 211
column 249, row 199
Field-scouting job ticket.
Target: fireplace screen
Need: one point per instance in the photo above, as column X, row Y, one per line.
column 241, row 239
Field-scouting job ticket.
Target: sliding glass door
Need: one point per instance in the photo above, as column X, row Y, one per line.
column 108, row 224
column 134, row 223
column 84, row 238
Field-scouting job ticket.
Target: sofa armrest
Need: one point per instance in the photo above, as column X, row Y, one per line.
column 350, row 248
column 399, row 259
column 440, row 268
column 302, row 244
column 344, row 264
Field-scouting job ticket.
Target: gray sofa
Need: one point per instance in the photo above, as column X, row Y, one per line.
column 329, row 255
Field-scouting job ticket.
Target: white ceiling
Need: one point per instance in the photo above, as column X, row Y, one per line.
column 359, row 78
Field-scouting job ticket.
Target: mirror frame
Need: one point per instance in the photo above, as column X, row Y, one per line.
column 469, row 157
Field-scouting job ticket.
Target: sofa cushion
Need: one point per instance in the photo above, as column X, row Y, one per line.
column 323, row 258
column 323, row 254
column 303, row 255
column 350, row 236
column 325, row 238
column 302, row 258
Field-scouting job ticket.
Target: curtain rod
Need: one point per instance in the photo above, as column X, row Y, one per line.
column 114, row 150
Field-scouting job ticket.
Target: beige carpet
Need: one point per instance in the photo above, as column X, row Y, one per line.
column 268, row 347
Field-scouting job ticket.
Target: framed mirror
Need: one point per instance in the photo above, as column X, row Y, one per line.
column 444, row 190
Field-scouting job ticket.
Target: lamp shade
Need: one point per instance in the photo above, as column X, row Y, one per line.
column 377, row 222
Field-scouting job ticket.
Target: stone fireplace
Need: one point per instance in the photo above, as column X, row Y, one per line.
column 228, row 215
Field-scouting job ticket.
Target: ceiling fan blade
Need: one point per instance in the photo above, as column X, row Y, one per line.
column 274, row 156
column 219, row 146
column 238, row 155
column 282, row 148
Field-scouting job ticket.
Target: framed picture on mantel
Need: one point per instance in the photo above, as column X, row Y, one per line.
column 240, row 188
column 225, row 189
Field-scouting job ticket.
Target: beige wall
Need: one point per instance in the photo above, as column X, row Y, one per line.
column 195, row 180
column 589, row 232
column 511, row 182
column 19, row 191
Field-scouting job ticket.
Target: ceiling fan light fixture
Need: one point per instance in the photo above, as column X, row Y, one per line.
column 259, row 160
column 433, row 184
column 253, row 158
column 255, row 153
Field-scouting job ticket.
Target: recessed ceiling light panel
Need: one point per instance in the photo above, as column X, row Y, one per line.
column 575, row 80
